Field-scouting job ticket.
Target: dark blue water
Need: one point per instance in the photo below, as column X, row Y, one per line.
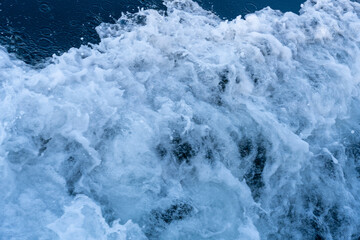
column 36, row 29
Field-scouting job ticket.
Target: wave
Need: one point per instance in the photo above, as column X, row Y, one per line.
column 179, row 125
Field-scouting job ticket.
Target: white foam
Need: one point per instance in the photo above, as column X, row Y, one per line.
column 183, row 126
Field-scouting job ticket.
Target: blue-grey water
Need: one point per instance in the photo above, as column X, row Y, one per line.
column 176, row 122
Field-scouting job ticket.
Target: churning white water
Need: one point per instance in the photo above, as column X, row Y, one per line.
column 181, row 126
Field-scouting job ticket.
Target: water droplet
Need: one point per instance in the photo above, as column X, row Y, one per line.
column 44, row 8
column 250, row 7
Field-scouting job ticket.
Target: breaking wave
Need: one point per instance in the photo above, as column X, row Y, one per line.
column 179, row 125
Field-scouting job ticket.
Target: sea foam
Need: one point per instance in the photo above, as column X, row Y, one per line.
column 178, row 125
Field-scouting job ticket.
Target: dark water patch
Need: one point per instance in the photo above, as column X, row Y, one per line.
column 223, row 80
column 253, row 176
column 319, row 237
column 175, row 212
column 321, row 217
column 43, row 145
column 161, row 150
column 159, row 219
column 35, row 30
column 182, row 150
column 245, row 147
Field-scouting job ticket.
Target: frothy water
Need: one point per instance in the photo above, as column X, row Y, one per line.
column 36, row 29
column 183, row 126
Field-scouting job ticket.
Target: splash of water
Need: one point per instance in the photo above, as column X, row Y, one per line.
column 178, row 125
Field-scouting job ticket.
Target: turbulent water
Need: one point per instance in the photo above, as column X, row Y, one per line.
column 179, row 125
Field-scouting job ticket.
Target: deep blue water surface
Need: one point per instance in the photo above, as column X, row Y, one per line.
column 36, row 29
